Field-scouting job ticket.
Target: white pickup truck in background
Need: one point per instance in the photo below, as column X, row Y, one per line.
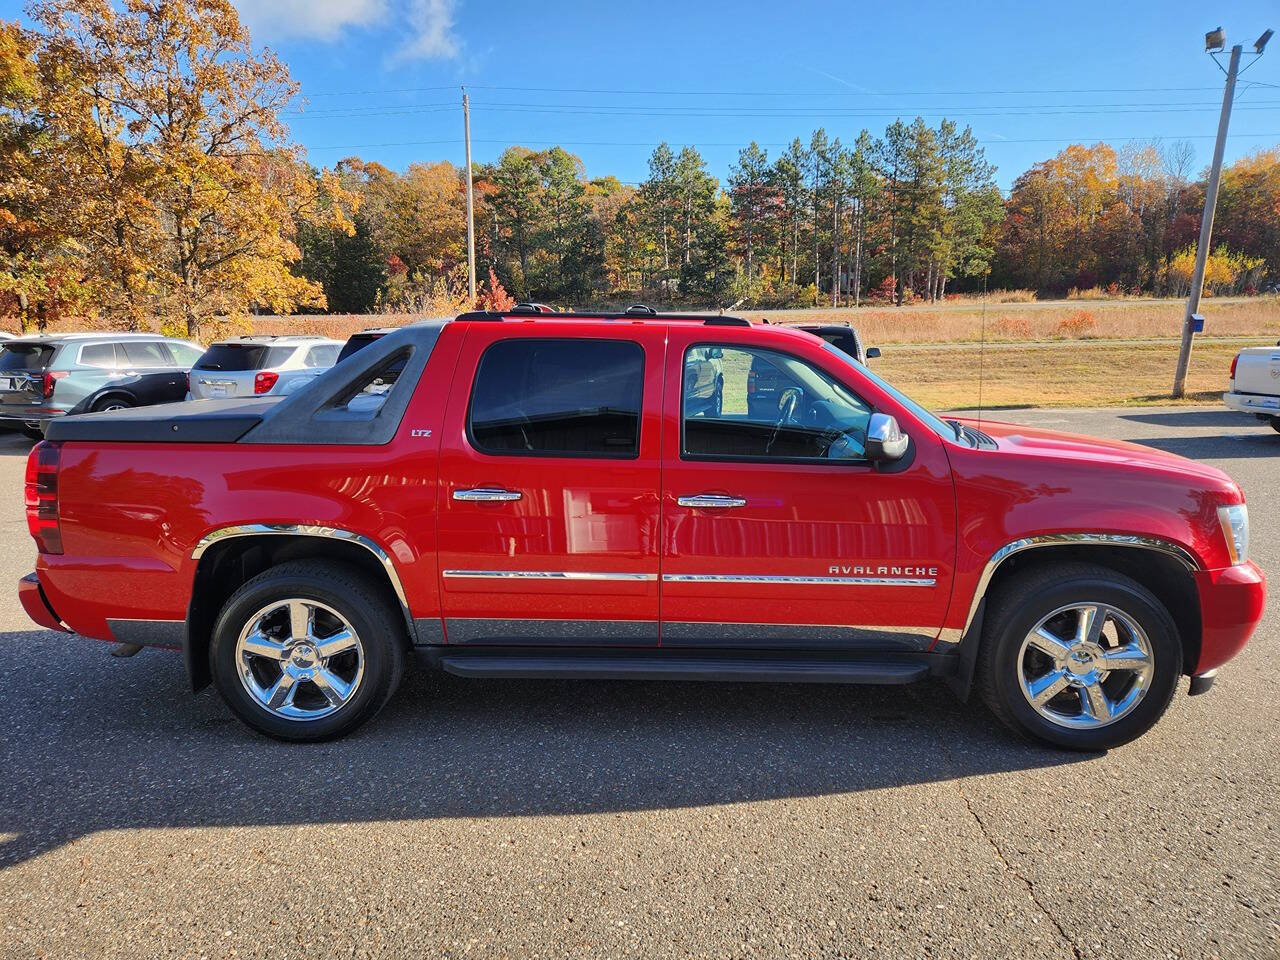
column 1255, row 383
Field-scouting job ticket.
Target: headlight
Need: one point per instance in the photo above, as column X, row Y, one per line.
column 1235, row 527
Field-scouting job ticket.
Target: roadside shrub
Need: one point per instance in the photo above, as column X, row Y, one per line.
column 1078, row 325
column 1012, row 296
column 1011, row 328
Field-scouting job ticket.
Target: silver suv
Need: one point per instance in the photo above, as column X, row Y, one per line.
column 45, row 376
column 261, row 366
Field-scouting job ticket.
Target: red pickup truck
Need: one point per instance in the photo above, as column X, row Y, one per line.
column 598, row 496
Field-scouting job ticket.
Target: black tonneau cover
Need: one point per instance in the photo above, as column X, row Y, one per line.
column 319, row 412
column 196, row 421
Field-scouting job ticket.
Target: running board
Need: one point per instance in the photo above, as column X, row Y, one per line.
column 642, row 667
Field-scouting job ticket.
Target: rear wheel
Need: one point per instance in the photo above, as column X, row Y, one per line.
column 1078, row 656
column 307, row 650
column 1275, row 424
column 111, row 403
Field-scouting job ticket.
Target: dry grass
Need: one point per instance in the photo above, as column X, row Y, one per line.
column 950, row 322
column 963, row 322
column 1086, row 374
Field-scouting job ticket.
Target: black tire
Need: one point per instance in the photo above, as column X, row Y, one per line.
column 1275, row 424
column 1023, row 601
column 111, row 403
column 32, row 433
column 359, row 599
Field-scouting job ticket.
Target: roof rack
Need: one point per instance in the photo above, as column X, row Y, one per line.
column 635, row 312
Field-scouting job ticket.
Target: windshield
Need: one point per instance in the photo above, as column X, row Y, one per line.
column 934, row 423
column 25, row 357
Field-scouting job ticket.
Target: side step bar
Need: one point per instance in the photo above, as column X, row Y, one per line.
column 640, row 667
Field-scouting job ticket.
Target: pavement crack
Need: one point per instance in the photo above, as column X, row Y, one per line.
column 1026, row 882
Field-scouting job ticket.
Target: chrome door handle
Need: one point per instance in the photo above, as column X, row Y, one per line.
column 487, row 494
column 713, row 501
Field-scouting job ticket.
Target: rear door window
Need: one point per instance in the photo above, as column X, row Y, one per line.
column 145, row 354
column 577, row 398
column 325, row 355
column 25, row 357
column 102, row 355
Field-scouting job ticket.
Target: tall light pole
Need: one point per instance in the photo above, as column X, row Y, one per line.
column 1214, row 42
column 471, row 215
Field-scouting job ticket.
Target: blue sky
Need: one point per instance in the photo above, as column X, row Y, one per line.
column 610, row 80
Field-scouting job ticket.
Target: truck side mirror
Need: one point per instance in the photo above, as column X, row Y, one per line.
column 885, row 440
column 873, row 353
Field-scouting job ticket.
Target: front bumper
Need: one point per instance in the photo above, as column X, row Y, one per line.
column 1258, row 403
column 1231, row 605
column 33, row 600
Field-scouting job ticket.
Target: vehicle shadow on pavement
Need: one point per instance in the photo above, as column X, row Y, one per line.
column 1216, row 448
column 93, row 743
column 1196, row 418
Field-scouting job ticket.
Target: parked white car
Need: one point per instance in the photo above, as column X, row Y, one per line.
column 260, row 366
column 1255, row 383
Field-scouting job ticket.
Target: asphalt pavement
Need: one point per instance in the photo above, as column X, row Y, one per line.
column 648, row 820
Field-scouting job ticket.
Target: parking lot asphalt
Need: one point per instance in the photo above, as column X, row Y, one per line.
column 535, row 819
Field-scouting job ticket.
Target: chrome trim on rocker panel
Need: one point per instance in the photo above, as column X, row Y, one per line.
column 312, row 530
column 829, row 581
column 543, row 575
column 951, row 635
column 478, row 630
column 149, row 633
column 688, row 634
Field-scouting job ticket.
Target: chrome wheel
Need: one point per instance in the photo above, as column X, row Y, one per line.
column 299, row 659
column 1085, row 665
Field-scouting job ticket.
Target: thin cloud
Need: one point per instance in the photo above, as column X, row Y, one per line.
column 310, row 19
column 425, row 28
column 432, row 36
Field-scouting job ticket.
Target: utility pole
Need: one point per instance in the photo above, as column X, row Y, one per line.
column 1214, row 41
column 471, row 218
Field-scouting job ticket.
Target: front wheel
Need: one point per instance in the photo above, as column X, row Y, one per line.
column 307, row 650
column 1078, row 656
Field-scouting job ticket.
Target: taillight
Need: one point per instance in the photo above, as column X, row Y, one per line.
column 41, row 496
column 264, row 381
column 50, row 378
column 1234, row 361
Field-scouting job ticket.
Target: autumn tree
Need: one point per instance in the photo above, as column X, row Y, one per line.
column 41, row 273
column 186, row 188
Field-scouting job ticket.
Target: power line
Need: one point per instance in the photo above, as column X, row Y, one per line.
column 522, row 141
column 784, row 113
column 764, row 93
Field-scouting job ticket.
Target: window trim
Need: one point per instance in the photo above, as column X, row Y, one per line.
column 116, row 351
column 859, row 462
column 556, row 455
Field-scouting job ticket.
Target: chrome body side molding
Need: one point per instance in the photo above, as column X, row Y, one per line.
column 312, row 530
column 951, row 635
column 543, row 575
column 827, row 581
